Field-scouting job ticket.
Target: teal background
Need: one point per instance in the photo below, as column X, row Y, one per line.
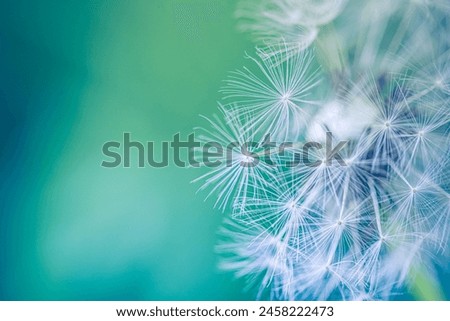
column 73, row 75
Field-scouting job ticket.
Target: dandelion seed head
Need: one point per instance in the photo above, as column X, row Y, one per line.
column 327, row 231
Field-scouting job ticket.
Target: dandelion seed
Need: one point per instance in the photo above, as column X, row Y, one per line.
column 237, row 175
column 275, row 94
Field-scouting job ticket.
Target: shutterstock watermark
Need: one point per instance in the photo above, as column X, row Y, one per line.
column 193, row 153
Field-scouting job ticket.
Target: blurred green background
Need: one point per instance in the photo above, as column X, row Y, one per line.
column 73, row 75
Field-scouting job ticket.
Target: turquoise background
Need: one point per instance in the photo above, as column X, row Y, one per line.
column 73, row 75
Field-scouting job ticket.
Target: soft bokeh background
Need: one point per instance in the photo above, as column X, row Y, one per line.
column 73, row 75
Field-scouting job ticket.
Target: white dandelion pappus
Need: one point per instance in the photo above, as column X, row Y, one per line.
column 278, row 92
column 341, row 233
column 357, row 231
column 318, row 279
column 390, row 236
column 378, row 46
column 317, row 174
column 321, row 229
column 405, row 218
column 236, row 176
column 431, row 9
column 346, row 119
column 270, row 21
column 319, row 12
column 252, row 252
column 296, row 22
column 417, row 196
column 362, row 175
column 432, row 77
column 428, row 136
column 385, row 136
column 282, row 211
